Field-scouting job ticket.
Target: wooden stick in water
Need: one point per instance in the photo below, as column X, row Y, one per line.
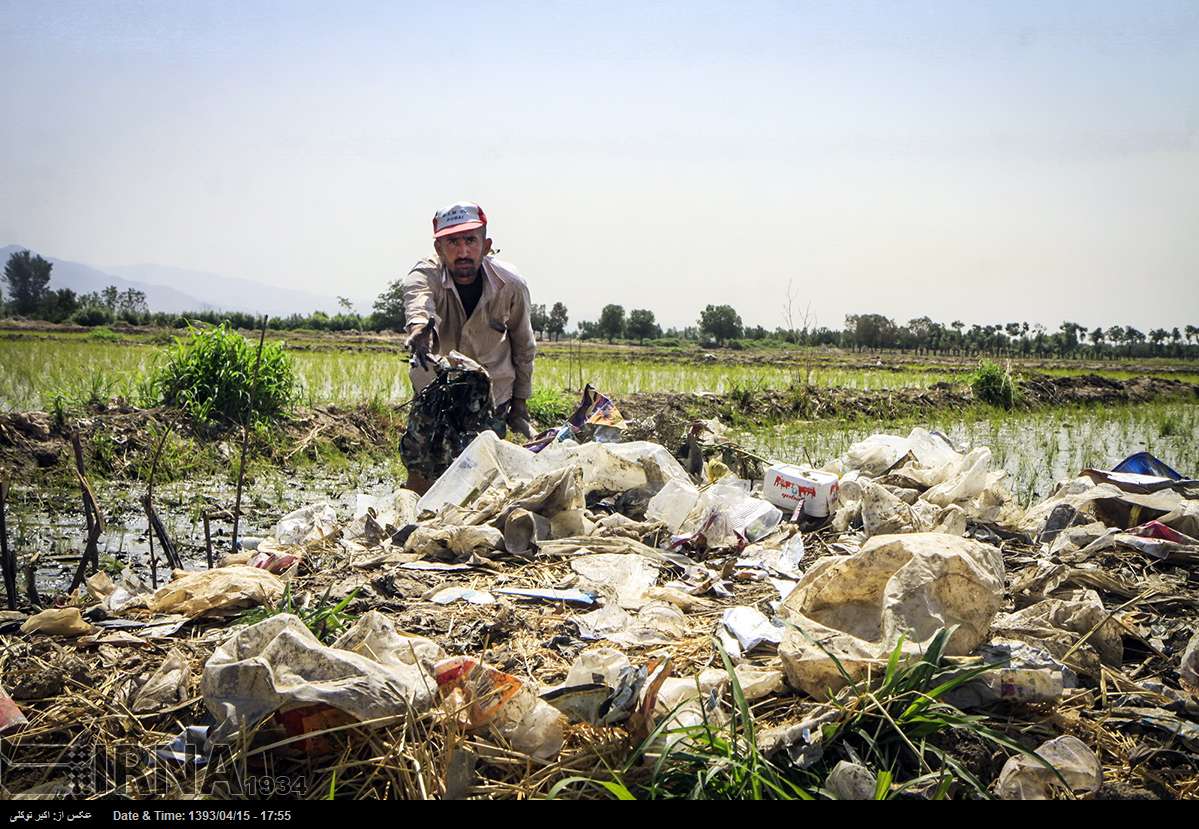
column 95, row 518
column 154, row 524
column 207, row 540
column 7, row 557
column 245, row 438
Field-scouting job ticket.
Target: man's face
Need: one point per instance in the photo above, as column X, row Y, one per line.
column 462, row 253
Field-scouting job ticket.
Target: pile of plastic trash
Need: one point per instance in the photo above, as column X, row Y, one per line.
column 808, row 578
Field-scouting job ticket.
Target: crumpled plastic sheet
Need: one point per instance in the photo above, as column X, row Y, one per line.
column 1111, row 505
column 485, row 697
column 858, row 606
column 657, row 623
column 851, row 781
column 456, row 543
column 1057, row 624
column 307, row 525
column 605, row 467
column 744, row 628
column 1025, row 778
column 166, row 687
column 374, row 514
column 1188, row 672
column 65, row 621
column 1023, row 673
column 278, row 663
column 622, row 577
column 130, row 592
column 193, row 594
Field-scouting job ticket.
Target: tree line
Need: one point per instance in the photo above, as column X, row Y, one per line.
column 27, row 293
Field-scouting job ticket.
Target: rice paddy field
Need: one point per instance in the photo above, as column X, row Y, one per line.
column 104, row 365
column 1037, row 449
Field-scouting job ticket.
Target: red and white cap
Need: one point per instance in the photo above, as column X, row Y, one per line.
column 457, row 218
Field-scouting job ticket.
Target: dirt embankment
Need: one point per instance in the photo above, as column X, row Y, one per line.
column 654, row 411
column 121, row 440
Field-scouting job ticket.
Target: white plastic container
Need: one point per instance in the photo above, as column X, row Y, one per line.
column 786, row 486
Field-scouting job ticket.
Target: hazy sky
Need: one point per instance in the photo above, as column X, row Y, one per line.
column 988, row 162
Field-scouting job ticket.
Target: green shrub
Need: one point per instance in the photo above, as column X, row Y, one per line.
column 90, row 315
column 550, row 406
column 210, row 375
column 103, row 334
column 994, row 385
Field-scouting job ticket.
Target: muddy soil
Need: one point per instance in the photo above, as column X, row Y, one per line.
column 33, row 441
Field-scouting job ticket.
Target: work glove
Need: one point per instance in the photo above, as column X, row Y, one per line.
column 421, row 343
column 518, row 419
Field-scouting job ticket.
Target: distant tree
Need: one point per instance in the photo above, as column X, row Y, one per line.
column 1115, row 335
column 132, row 303
column 1069, row 338
column 1192, row 333
column 346, row 306
column 611, row 322
column 558, row 320
column 588, row 330
column 388, row 309
column 28, row 278
column 722, row 322
column 539, row 319
column 109, row 297
column 957, row 326
column 920, row 332
column 1158, row 336
column 872, row 330
column 59, row 305
column 641, row 325
column 1133, row 337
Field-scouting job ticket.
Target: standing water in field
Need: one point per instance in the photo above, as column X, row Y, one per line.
column 1037, row 449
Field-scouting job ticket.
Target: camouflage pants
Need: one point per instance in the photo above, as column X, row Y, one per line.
column 445, row 417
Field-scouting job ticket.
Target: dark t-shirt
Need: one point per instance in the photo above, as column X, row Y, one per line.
column 470, row 294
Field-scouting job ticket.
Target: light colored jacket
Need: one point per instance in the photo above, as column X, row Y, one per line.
column 498, row 335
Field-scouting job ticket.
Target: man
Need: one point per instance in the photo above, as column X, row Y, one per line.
column 467, row 301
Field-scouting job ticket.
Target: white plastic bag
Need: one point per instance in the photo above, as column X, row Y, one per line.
column 1025, row 778
column 673, row 504
column 307, row 525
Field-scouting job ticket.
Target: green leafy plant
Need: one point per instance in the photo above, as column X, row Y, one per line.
column 896, row 726
column 550, row 406
column 326, row 620
column 105, row 451
column 60, row 406
column 708, row 761
column 111, row 565
column 210, row 374
column 994, row 385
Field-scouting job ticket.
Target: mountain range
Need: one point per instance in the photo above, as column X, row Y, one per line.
column 175, row 290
